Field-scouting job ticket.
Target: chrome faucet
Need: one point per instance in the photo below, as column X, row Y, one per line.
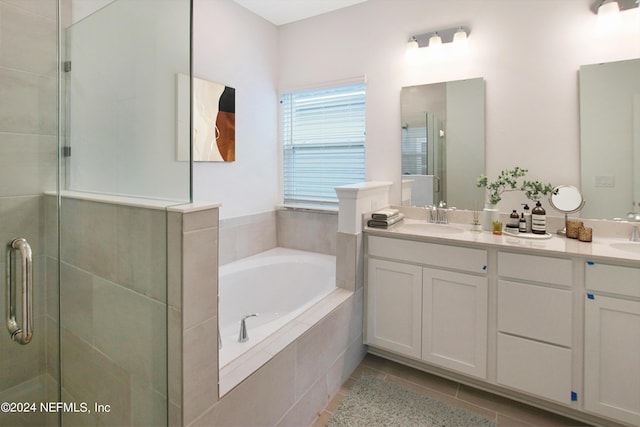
column 432, row 213
column 635, row 234
column 243, row 336
column 441, row 213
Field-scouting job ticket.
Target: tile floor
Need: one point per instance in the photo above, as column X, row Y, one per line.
column 507, row 413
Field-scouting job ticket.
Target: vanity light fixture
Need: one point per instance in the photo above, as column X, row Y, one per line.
column 436, row 38
column 612, row 7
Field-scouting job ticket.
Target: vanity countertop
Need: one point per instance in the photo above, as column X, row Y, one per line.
column 613, row 249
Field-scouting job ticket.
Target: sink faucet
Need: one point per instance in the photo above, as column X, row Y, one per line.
column 243, row 336
column 441, row 212
column 635, row 234
column 432, row 215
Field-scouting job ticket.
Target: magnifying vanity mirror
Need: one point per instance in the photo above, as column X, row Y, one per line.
column 443, row 143
column 567, row 199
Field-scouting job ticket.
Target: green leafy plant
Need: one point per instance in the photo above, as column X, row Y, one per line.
column 533, row 190
column 510, row 180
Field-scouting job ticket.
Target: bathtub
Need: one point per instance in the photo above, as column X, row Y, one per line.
column 279, row 285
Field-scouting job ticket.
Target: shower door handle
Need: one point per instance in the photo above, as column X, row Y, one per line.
column 20, row 333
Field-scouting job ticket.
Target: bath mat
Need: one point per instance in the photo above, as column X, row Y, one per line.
column 373, row 402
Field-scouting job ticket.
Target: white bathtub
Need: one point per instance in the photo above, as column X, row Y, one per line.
column 278, row 284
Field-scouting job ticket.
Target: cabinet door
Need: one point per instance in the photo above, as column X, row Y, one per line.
column 612, row 358
column 394, row 306
column 454, row 321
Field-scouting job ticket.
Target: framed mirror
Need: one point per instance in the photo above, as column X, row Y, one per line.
column 443, row 143
column 610, row 138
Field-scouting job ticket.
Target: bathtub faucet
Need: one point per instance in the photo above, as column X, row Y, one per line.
column 243, row 336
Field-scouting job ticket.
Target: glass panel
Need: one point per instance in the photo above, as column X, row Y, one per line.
column 28, row 169
column 121, row 126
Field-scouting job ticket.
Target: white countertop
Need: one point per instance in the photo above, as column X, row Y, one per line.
column 599, row 248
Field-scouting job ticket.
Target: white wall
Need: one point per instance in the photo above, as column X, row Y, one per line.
column 529, row 52
column 237, row 48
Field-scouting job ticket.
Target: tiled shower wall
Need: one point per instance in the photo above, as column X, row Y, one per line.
column 113, row 309
column 28, row 166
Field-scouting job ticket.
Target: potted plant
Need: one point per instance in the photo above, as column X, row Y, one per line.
column 509, row 180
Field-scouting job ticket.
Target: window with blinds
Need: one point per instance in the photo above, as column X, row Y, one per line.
column 414, row 151
column 323, row 133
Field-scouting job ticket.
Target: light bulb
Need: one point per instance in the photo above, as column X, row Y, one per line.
column 608, row 17
column 609, row 8
column 412, row 44
column 435, row 40
column 460, row 36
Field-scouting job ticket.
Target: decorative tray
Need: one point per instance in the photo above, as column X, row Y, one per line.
column 516, row 233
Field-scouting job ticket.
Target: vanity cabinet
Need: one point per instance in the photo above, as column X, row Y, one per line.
column 454, row 321
column 612, row 341
column 438, row 315
column 394, row 306
column 563, row 332
column 535, row 325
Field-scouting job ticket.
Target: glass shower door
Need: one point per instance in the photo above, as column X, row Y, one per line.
column 28, row 211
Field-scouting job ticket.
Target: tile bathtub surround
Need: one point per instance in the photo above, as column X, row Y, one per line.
column 244, row 236
column 313, row 231
column 297, row 382
column 193, row 310
column 349, row 261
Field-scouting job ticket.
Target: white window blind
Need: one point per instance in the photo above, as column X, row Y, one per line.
column 323, row 134
column 414, row 151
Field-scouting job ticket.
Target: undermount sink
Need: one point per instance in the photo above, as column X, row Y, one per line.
column 633, row 247
column 427, row 227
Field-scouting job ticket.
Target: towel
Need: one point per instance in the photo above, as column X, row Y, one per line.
column 385, row 214
column 384, row 223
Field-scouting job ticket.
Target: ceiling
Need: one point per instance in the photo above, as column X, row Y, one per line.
column 280, row 12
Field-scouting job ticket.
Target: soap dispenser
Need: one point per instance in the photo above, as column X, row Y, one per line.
column 513, row 219
column 527, row 217
column 522, row 225
column 538, row 219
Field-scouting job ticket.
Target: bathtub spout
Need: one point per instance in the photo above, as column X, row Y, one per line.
column 243, row 336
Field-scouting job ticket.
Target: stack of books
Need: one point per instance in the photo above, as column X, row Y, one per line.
column 385, row 218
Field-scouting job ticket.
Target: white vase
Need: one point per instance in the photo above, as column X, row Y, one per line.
column 490, row 214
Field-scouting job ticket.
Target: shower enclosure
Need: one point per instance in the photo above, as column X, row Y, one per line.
column 88, row 166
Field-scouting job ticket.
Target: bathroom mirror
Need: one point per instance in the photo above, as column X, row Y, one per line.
column 443, row 143
column 567, row 199
column 610, row 138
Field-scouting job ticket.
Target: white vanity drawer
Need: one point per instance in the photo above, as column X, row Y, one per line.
column 612, row 278
column 535, row 367
column 442, row 256
column 535, row 268
column 537, row 312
